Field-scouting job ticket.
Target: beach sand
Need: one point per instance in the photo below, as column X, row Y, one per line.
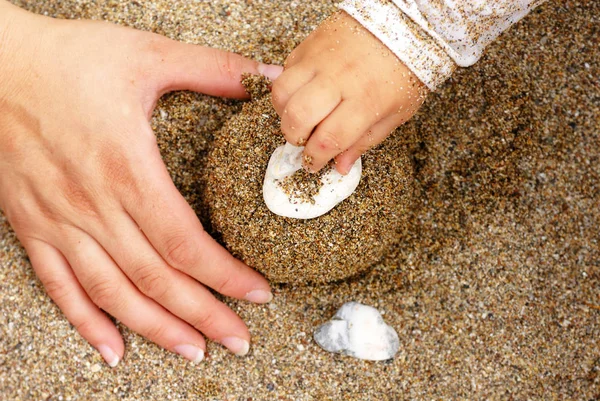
column 494, row 291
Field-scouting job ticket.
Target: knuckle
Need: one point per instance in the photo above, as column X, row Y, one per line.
column 79, row 198
column 114, row 168
column 328, row 142
column 294, row 56
column 279, row 93
column 56, row 289
column 204, row 321
column 373, row 100
column 228, row 64
column 224, row 284
column 19, row 217
column 84, row 327
column 329, row 83
column 48, row 212
column 150, row 281
column 298, row 113
column 106, row 294
column 180, row 251
column 349, row 67
column 156, row 332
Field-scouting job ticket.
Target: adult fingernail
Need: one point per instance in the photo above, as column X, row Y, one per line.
column 270, row 71
column 236, row 345
column 110, row 356
column 259, row 296
column 190, row 352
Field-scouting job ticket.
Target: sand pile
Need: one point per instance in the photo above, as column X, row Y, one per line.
column 352, row 237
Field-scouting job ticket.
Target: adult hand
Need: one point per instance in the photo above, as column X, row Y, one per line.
column 83, row 184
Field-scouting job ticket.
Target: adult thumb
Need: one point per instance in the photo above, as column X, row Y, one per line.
column 207, row 70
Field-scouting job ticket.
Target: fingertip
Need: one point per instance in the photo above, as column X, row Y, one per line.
column 344, row 162
column 238, row 346
column 342, row 169
column 308, row 163
column 191, row 352
column 63, row 287
column 202, row 69
column 315, row 169
column 110, row 354
column 259, row 296
column 102, row 334
column 270, row 71
column 292, row 137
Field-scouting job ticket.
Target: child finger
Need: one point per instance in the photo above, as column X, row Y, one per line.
column 307, row 108
column 342, row 128
column 373, row 137
column 288, row 83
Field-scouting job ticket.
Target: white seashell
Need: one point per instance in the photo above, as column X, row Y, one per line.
column 358, row 330
column 285, row 161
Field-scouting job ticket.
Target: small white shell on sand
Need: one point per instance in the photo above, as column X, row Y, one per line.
column 358, row 330
column 285, row 161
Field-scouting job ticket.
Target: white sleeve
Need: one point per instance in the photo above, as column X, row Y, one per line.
column 433, row 37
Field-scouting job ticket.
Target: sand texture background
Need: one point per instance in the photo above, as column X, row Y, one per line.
column 494, row 291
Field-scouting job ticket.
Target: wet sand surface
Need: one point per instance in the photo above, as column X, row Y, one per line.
column 494, row 290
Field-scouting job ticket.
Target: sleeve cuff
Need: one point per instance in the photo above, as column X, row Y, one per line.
column 407, row 40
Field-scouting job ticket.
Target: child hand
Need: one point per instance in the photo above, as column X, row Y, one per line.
column 343, row 92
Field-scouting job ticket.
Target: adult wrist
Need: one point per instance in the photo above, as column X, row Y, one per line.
column 18, row 35
column 9, row 16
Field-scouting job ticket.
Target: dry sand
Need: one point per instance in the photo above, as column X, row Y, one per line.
column 496, row 290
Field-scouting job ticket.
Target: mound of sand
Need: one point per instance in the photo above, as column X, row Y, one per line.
column 348, row 240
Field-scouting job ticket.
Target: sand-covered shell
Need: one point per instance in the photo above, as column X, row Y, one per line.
column 333, row 187
column 347, row 240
